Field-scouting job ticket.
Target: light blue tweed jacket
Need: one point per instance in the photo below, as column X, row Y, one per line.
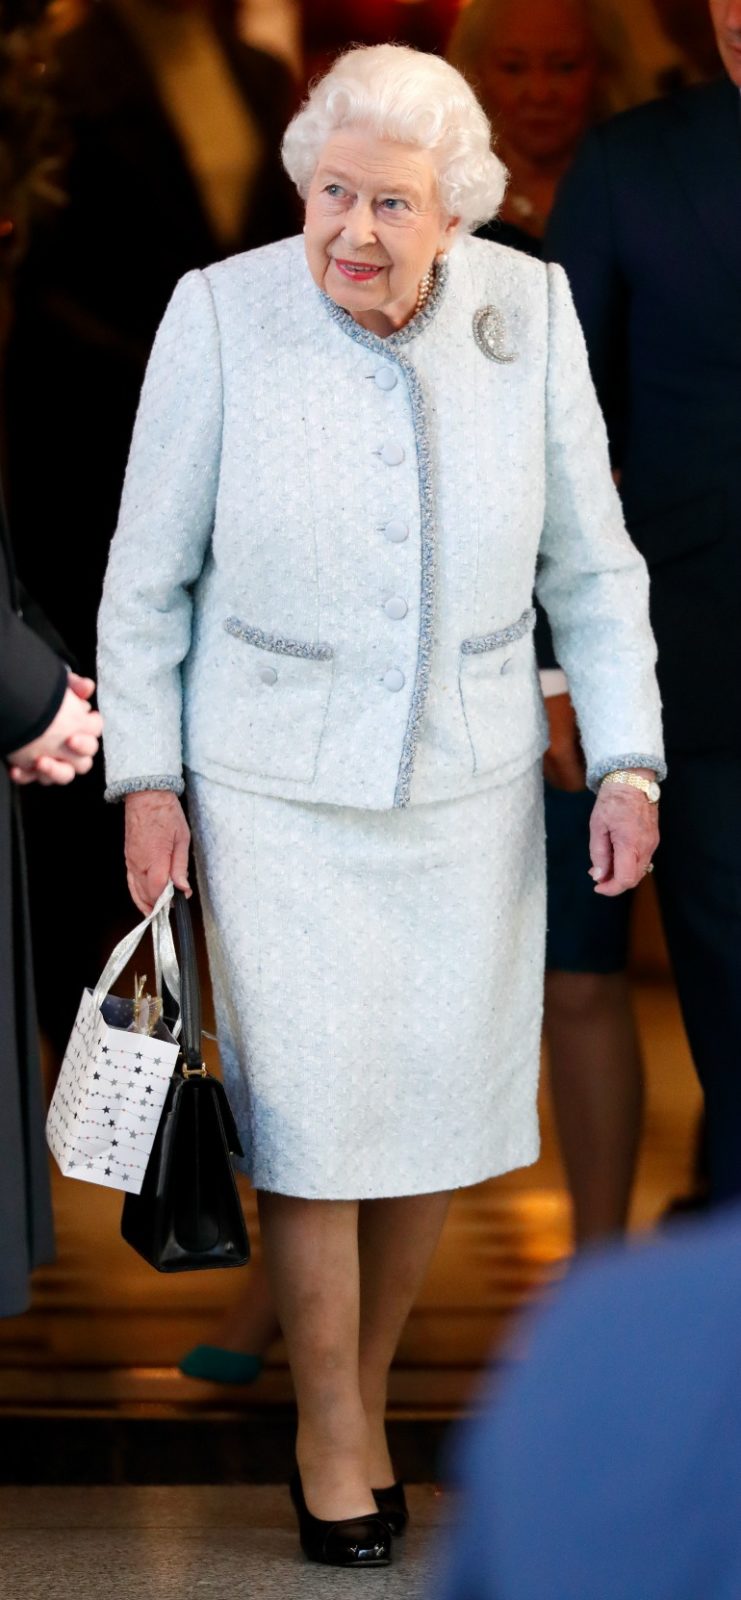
column 321, row 583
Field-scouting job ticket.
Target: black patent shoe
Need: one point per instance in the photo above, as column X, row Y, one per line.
column 351, row 1542
column 393, row 1508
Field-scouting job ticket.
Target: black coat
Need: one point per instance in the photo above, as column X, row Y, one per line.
column 648, row 226
column 32, row 686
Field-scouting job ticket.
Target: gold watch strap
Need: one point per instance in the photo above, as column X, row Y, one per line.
column 647, row 786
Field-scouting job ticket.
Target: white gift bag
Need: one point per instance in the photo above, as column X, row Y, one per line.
column 112, row 1085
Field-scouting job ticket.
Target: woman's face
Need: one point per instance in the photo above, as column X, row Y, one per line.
column 539, row 78
column 374, row 225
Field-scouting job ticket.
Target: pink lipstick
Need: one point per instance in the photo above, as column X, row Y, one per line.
column 357, row 271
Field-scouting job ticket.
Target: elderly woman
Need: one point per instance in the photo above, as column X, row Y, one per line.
column 356, row 453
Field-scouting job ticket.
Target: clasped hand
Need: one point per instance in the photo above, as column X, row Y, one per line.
column 67, row 748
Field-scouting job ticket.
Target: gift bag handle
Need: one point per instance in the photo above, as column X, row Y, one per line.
column 165, row 961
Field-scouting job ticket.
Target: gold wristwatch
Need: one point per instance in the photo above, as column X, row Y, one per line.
column 648, row 786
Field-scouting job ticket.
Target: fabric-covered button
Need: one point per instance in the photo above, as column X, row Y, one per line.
column 386, row 378
column 394, row 679
column 268, row 675
column 396, row 530
column 392, row 453
column 396, row 608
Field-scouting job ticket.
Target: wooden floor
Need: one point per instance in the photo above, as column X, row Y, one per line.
column 105, row 1331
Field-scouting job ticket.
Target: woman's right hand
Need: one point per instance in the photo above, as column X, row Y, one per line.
column 157, row 845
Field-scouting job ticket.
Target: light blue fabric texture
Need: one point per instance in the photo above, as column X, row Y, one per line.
column 316, row 521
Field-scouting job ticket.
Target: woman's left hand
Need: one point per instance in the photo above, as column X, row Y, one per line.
column 623, row 835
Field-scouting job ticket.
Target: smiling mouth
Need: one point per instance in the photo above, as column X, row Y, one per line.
column 357, row 271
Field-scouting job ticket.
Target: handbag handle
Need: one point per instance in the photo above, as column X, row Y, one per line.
column 164, row 954
column 190, row 991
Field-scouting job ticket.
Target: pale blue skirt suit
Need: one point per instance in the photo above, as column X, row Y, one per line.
column 318, row 618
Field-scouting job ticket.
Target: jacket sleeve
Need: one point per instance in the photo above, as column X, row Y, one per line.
column 591, row 579
column 158, row 550
column 33, row 682
column 583, row 237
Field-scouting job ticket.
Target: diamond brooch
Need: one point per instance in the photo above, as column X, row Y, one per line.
column 489, row 333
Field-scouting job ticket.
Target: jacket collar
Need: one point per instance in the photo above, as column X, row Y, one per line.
column 395, row 341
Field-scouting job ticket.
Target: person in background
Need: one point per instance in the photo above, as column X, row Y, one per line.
column 48, row 732
column 171, row 127
column 607, row 1464
column 648, row 226
column 545, row 72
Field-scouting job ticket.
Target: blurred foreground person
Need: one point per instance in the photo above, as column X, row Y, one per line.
column 648, row 225
column 546, row 72
column 608, row 1465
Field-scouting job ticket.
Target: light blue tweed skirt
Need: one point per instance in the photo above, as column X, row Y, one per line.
column 377, row 980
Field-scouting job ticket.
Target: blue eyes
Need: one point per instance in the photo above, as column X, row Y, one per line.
column 392, row 203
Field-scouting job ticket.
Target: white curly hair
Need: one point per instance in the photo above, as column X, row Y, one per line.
column 411, row 98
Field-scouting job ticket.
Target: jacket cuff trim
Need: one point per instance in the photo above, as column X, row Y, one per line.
column 116, row 791
column 627, row 763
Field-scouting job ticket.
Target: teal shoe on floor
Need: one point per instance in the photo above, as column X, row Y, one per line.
column 213, row 1365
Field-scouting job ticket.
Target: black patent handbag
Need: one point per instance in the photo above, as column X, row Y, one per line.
column 188, row 1215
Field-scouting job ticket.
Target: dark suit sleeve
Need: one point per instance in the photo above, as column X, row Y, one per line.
column 582, row 237
column 33, row 681
column 37, row 620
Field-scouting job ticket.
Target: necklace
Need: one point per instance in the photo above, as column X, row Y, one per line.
column 425, row 288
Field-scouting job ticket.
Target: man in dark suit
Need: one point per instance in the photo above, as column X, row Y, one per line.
column 648, row 227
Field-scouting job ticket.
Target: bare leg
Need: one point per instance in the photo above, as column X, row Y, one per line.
column 597, row 1088
column 397, row 1241
column 311, row 1254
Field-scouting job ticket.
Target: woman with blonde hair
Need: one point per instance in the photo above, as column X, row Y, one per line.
column 544, row 71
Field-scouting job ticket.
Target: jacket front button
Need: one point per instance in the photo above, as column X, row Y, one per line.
column 392, row 454
column 396, row 608
column 396, row 531
column 268, row 675
column 386, row 378
column 394, row 679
